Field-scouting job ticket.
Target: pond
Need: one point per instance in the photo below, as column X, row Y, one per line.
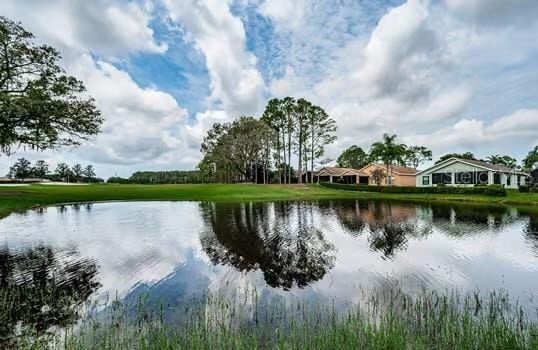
column 322, row 251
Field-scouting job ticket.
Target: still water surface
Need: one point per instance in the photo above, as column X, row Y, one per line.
column 325, row 251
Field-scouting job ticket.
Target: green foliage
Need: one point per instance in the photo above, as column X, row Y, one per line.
column 40, row 106
column 117, row 180
column 416, row 155
column 378, row 175
column 524, row 188
column 21, row 170
column 502, row 160
column 300, row 127
column 165, row 177
column 352, row 157
column 89, row 172
column 531, row 160
column 40, row 169
column 64, row 172
column 466, row 155
column 77, row 171
column 236, row 149
column 388, row 151
column 389, row 319
column 491, row 190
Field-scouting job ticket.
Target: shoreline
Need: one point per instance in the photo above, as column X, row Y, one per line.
column 21, row 198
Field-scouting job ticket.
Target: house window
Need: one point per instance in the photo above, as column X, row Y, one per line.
column 441, row 178
column 508, row 180
column 472, row 177
column 426, row 180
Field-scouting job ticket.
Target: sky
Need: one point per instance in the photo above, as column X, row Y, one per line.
column 453, row 75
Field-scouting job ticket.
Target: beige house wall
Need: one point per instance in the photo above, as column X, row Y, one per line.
column 398, row 180
column 404, row 180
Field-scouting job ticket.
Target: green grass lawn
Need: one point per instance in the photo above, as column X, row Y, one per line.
column 17, row 198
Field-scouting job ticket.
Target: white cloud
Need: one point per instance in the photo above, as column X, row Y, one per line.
column 420, row 70
column 287, row 14
column 517, row 127
column 141, row 124
column 435, row 72
column 495, row 12
column 394, row 82
column 99, row 26
column 235, row 82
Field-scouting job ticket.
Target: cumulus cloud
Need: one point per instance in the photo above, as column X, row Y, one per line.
column 141, row 124
column 420, row 68
column 99, row 26
column 470, row 133
column 287, row 14
column 393, row 82
column 439, row 73
column 236, row 84
column 496, row 12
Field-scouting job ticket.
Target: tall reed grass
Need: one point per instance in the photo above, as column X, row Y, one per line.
column 388, row 320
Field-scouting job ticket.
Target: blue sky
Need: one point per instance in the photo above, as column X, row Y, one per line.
column 454, row 75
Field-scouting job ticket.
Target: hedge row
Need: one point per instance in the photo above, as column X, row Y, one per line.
column 491, row 190
column 526, row 188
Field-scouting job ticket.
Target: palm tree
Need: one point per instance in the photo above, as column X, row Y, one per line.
column 389, row 152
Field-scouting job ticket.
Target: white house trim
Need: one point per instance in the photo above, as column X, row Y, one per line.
column 462, row 172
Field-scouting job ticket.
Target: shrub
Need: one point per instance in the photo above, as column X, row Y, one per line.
column 491, row 190
column 524, row 189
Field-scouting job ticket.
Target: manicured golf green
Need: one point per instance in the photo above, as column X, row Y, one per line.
column 17, row 198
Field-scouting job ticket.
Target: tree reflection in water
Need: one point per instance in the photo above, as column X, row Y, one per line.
column 388, row 225
column 279, row 239
column 531, row 232
column 39, row 290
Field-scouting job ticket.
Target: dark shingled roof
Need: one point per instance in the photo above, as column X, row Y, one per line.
column 494, row 167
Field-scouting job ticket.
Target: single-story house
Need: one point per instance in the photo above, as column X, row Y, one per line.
column 341, row 175
column 464, row 172
column 398, row 175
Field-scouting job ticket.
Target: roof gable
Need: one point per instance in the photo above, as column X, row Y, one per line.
column 475, row 163
column 334, row 171
column 396, row 169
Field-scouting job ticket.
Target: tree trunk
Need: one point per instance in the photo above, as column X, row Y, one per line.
column 312, row 155
column 283, row 164
column 300, row 167
column 289, row 155
column 278, row 157
column 264, row 167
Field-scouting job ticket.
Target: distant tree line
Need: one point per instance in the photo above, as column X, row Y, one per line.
column 23, row 170
column 291, row 131
column 161, row 177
